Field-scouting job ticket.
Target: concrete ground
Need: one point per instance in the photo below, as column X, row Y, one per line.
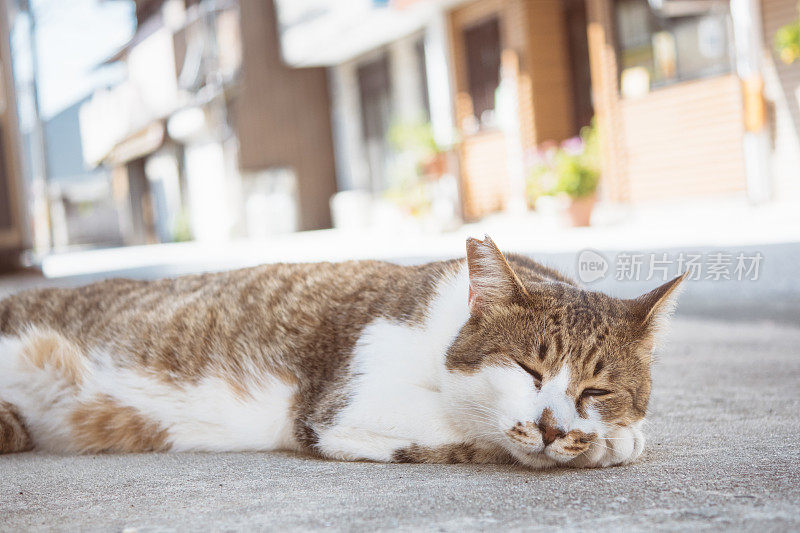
column 723, row 453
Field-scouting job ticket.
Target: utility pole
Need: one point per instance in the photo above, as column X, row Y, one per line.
column 42, row 226
column 748, row 39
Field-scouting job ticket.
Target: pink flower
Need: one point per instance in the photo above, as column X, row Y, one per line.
column 573, row 146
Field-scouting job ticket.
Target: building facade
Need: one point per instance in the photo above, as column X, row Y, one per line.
column 689, row 97
column 206, row 135
column 244, row 118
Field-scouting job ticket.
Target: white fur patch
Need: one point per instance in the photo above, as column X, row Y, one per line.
column 208, row 416
column 43, row 398
column 397, row 390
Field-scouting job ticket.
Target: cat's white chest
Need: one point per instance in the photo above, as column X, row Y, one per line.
column 395, row 397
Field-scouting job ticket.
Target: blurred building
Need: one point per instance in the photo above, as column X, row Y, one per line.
column 81, row 207
column 244, row 118
column 692, row 99
column 51, row 196
column 210, row 136
column 689, row 97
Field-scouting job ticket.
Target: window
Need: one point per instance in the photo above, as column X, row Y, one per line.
column 681, row 40
column 482, row 43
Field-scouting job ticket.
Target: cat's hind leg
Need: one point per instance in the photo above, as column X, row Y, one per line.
column 41, row 374
column 14, row 436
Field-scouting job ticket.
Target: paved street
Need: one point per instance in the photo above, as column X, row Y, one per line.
column 723, row 453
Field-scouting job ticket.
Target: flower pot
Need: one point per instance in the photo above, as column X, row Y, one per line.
column 436, row 166
column 580, row 210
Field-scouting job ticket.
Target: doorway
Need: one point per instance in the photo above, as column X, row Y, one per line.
column 576, row 23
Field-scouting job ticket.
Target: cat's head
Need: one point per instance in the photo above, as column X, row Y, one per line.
column 546, row 369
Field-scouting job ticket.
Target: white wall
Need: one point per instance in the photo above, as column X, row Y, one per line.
column 208, row 192
column 440, row 80
column 406, row 78
column 352, row 171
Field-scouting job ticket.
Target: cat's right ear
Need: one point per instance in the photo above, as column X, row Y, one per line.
column 491, row 279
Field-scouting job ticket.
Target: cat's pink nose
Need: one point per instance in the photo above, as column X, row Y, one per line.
column 549, row 434
column 547, row 425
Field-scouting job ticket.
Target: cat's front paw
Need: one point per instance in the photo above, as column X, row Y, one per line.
column 622, row 445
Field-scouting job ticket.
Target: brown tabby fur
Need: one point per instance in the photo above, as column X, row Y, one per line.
column 105, row 426
column 13, row 433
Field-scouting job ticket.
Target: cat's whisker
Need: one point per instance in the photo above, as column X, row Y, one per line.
column 477, row 409
column 602, row 446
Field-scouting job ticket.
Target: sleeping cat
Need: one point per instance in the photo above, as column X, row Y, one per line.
column 487, row 359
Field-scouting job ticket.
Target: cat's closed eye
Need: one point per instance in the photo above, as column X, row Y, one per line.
column 594, row 392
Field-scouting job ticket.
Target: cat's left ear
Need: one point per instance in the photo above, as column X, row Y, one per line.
column 491, row 279
column 653, row 310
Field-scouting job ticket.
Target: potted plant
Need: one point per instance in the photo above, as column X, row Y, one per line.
column 787, row 44
column 418, row 163
column 787, row 40
column 571, row 169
